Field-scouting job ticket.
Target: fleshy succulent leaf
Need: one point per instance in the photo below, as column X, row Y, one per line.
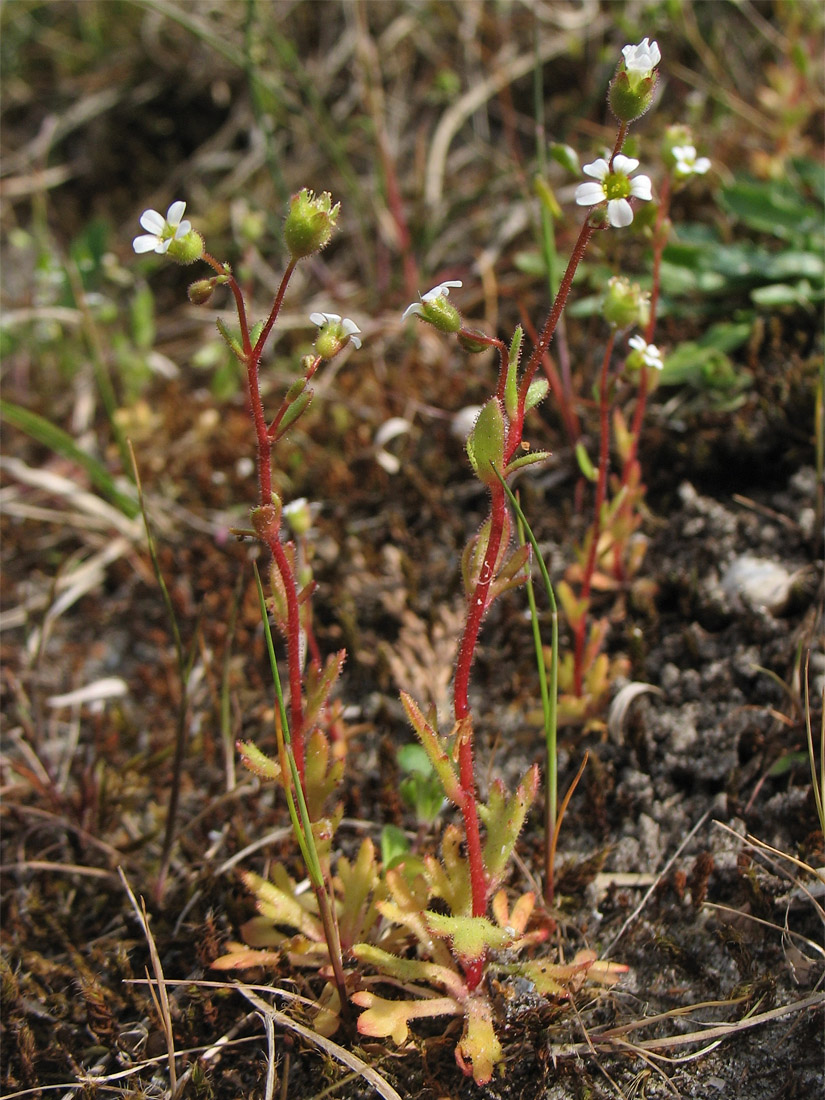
column 485, row 443
column 385, row 1018
column 435, row 748
column 479, row 1051
column 503, row 819
column 471, row 937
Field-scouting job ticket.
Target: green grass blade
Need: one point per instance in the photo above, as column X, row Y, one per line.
column 301, row 825
column 62, row 443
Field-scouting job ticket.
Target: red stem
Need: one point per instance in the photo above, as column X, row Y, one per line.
column 595, row 531
column 293, row 631
column 516, row 428
column 475, row 614
column 293, row 651
column 617, row 148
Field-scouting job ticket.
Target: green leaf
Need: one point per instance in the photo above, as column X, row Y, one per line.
column 511, row 380
column 258, row 762
column 479, row 1045
column 294, row 410
column 318, row 688
column 526, row 460
column 412, row 758
column 585, row 465
column 409, row 970
column 536, row 393
column 485, row 443
column 282, row 908
column 503, row 819
column 435, row 748
column 778, row 295
column 394, row 846
column 772, row 206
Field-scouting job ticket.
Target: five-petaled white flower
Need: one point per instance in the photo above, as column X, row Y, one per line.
column 687, row 163
column 615, row 188
column 347, row 327
column 643, row 58
column 440, row 291
column 160, row 231
column 649, row 353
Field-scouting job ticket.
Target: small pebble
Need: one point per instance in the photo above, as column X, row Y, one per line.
column 759, row 583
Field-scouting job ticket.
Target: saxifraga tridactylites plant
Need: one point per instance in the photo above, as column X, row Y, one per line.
column 360, row 912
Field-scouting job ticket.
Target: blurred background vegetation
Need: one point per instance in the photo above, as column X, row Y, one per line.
column 421, row 118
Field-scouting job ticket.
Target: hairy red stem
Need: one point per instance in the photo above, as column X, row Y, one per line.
column 469, row 639
column 293, row 631
column 514, row 437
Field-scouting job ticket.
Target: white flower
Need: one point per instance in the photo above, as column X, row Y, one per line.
column 440, row 291
column 643, row 58
column 649, row 353
column 687, row 163
column 347, row 327
column 160, row 231
column 615, row 188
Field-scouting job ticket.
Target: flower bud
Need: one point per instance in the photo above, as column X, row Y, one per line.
column 336, row 332
column 628, row 102
column 201, row 291
column 309, row 223
column 675, row 137
column 441, row 314
column 625, row 304
column 434, row 308
column 631, row 89
column 473, row 342
column 643, row 355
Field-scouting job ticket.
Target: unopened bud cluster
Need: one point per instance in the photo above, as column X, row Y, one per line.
column 626, row 305
column 309, row 223
column 631, row 89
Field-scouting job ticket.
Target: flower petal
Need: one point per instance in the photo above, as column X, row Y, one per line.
column 589, row 194
column 624, row 164
column 619, row 213
column 410, row 310
column 441, row 291
column 152, row 222
column 145, row 243
column 641, row 188
column 599, row 169
column 175, row 212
